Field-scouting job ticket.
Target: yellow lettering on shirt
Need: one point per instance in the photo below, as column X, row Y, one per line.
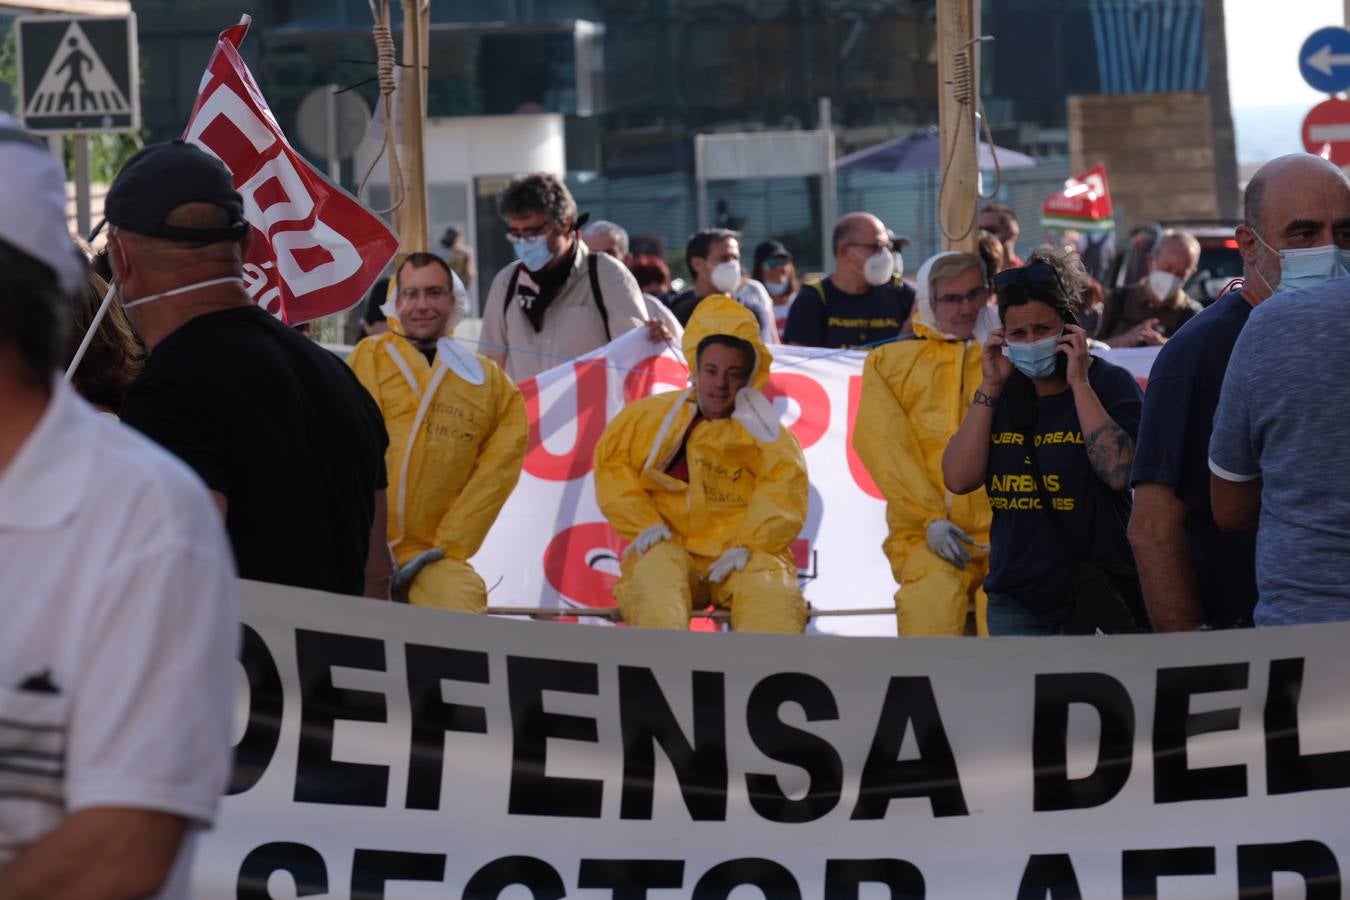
column 1059, row 437
column 836, row 322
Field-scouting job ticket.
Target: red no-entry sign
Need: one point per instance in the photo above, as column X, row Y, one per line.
column 1326, row 131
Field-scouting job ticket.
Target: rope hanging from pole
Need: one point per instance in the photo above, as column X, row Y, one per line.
column 966, row 95
column 387, row 62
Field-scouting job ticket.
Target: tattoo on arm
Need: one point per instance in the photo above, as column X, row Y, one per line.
column 1111, row 452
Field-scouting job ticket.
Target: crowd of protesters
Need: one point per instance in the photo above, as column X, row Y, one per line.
column 1027, row 478
column 1028, row 482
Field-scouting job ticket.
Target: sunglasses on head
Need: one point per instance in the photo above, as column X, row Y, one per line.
column 1038, row 277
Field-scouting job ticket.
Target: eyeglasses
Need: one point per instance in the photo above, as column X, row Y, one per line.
column 520, row 234
column 1038, row 278
column 974, row 295
column 435, row 292
column 878, row 247
column 775, row 263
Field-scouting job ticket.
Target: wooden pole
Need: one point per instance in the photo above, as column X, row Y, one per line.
column 958, row 90
column 410, row 219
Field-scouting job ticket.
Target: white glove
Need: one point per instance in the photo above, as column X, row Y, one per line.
column 732, row 561
column 945, row 540
column 650, row 537
column 403, row 578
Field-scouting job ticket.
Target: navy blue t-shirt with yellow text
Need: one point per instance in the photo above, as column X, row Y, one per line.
column 822, row 315
column 1028, row 556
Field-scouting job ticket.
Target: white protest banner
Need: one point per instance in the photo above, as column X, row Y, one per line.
column 551, row 546
column 409, row 753
column 1138, row 360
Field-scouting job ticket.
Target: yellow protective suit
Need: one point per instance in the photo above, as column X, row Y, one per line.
column 915, row 394
column 747, row 488
column 457, row 434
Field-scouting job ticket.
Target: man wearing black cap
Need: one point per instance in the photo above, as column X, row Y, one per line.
column 288, row 441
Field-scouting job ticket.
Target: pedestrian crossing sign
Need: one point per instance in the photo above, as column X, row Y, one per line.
column 78, row 74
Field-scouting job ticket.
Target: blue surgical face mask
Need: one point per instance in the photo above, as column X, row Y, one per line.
column 1300, row 268
column 1035, row 359
column 533, row 251
column 776, row 290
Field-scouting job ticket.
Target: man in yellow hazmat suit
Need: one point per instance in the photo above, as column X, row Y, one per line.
column 915, row 393
column 457, row 433
column 708, row 486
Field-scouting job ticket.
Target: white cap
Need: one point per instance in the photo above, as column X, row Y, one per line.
column 33, row 204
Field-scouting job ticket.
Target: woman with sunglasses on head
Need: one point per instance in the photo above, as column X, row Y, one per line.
column 1050, row 434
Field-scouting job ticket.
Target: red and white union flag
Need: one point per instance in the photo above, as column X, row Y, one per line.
column 316, row 250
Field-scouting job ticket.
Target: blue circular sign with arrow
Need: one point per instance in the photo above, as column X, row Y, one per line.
column 1324, row 60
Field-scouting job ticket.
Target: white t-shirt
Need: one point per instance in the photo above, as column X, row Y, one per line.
column 121, row 627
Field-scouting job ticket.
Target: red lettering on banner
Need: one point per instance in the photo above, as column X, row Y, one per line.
column 812, row 402
column 651, row 372
column 861, row 476
column 589, row 393
column 576, row 560
column 580, row 564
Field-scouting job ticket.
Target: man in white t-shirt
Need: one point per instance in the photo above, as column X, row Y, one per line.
column 119, row 600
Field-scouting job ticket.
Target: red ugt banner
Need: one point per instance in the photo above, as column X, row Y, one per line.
column 1084, row 204
column 316, row 251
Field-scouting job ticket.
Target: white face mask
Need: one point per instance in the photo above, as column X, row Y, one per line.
column 879, row 268
column 726, row 277
column 1162, row 284
column 140, row 301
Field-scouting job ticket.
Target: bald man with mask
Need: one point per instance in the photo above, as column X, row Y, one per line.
column 863, row 303
column 1192, row 574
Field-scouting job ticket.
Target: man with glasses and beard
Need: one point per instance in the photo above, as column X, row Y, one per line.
column 559, row 300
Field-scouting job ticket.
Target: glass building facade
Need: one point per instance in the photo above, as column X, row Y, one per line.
column 637, row 79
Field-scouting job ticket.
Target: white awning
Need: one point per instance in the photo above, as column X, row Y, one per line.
column 69, row 7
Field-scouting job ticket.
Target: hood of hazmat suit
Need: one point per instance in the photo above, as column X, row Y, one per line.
column 457, row 312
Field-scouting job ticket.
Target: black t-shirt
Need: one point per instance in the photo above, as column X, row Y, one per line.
column 685, row 302
column 1179, row 407
column 284, row 430
column 1029, row 557
column 824, row 316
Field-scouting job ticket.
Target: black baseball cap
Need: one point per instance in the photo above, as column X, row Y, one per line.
column 162, row 177
column 770, row 250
